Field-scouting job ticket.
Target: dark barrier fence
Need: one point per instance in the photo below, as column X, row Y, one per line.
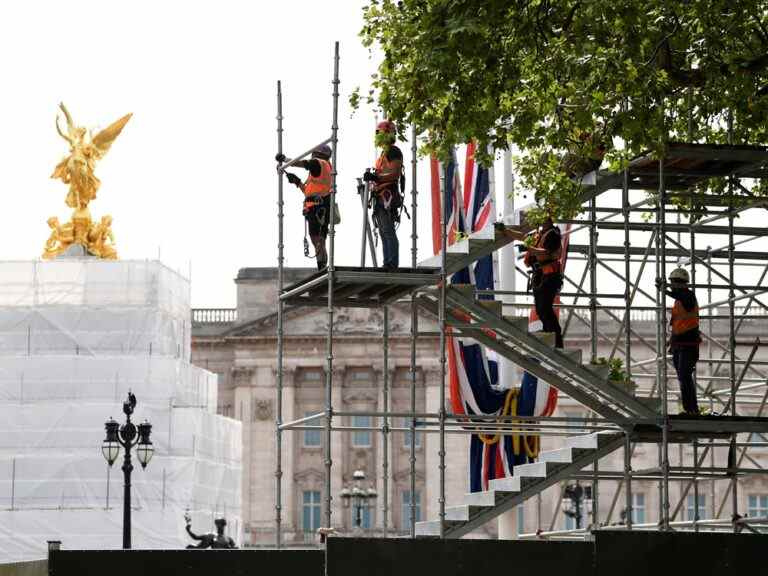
column 680, row 553
column 186, row 562
column 611, row 554
column 433, row 557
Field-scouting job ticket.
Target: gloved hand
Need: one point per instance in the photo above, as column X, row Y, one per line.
column 369, row 176
column 659, row 283
column 280, row 157
column 293, row 179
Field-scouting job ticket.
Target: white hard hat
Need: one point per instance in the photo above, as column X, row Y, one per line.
column 679, row 275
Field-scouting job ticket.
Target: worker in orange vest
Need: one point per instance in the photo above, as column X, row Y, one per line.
column 317, row 199
column 542, row 256
column 685, row 337
column 387, row 199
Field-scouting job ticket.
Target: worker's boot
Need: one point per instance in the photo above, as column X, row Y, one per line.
column 320, row 254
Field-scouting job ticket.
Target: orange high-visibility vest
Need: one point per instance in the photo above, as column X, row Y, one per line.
column 550, row 263
column 319, row 185
column 683, row 320
column 387, row 172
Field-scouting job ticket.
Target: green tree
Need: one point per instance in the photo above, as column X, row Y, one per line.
column 569, row 82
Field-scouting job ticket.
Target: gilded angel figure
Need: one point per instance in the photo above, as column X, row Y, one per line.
column 77, row 169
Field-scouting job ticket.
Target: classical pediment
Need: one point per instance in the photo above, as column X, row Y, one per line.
column 346, row 321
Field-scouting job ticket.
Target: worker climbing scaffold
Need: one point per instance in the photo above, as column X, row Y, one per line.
column 317, row 199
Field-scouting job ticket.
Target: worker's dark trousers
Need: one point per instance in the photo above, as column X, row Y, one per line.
column 684, row 359
column 544, row 298
column 389, row 243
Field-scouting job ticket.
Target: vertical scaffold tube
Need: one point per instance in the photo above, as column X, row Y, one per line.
column 593, row 329
column 626, row 209
column 385, row 427
column 443, row 287
column 331, row 253
column 279, row 400
column 593, row 274
column 414, row 334
column 732, row 348
column 696, row 517
column 628, row 478
column 661, row 369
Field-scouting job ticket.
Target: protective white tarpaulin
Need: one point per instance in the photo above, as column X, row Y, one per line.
column 90, row 307
column 75, row 337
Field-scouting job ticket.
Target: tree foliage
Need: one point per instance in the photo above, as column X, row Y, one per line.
column 570, row 83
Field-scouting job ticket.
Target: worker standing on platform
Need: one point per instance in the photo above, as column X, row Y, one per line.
column 542, row 256
column 685, row 338
column 317, row 199
column 386, row 198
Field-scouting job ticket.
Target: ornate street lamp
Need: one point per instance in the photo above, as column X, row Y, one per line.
column 126, row 436
column 358, row 497
column 574, row 497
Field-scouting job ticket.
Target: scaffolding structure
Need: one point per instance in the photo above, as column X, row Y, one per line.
column 620, row 417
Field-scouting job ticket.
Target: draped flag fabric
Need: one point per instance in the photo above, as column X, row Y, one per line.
column 472, row 370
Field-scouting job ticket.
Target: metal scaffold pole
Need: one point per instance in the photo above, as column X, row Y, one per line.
column 593, row 330
column 331, row 254
column 280, row 264
column 662, row 348
column 414, row 334
column 385, row 426
column 442, row 324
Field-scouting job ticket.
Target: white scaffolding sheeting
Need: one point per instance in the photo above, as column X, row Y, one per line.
column 75, row 337
column 84, row 307
column 154, row 379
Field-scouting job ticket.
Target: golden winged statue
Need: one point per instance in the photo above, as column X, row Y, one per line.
column 77, row 170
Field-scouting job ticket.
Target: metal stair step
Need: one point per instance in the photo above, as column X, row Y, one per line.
column 508, row 484
column 628, row 386
column 518, row 322
column 561, row 456
column 600, row 370
column 432, row 527
column 586, row 441
column 494, row 306
column 653, row 403
column 487, row 498
column 574, row 354
column 547, row 338
column 462, row 513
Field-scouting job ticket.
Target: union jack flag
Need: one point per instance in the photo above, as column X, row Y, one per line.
column 473, row 374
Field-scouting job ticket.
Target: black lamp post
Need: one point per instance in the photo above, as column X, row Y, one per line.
column 126, row 436
column 358, row 497
column 575, row 494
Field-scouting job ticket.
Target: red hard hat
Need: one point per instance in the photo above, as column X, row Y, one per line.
column 386, row 126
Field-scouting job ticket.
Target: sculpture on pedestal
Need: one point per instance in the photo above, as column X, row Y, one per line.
column 210, row 540
column 77, row 170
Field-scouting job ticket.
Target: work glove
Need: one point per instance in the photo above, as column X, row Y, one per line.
column 659, row 283
column 293, row 179
column 369, row 176
column 280, row 157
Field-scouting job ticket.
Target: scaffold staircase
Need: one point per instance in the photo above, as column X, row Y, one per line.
column 527, row 481
column 563, row 369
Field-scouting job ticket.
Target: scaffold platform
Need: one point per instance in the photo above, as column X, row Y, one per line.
column 370, row 287
column 359, row 287
column 684, row 166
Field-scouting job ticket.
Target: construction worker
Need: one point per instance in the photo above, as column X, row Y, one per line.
column 685, row 338
column 386, row 198
column 542, row 256
column 317, row 199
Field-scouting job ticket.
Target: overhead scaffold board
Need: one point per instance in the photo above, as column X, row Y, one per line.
column 684, row 166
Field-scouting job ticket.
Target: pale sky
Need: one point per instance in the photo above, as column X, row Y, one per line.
column 192, row 177
column 193, row 173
